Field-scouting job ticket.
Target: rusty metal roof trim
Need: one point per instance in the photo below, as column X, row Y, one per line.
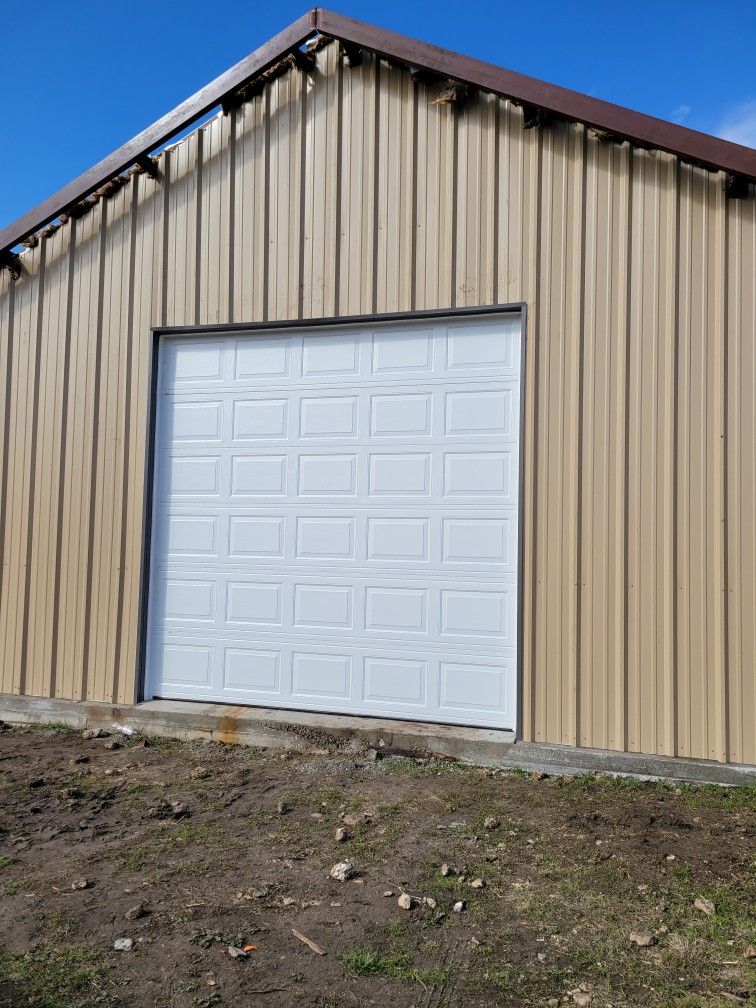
column 167, row 127
column 620, row 123
column 637, row 127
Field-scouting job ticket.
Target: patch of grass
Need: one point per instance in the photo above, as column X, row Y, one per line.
column 5, row 862
column 406, row 766
column 606, row 786
column 331, row 797
column 433, row 918
column 17, row 884
column 139, row 787
column 89, row 787
column 135, row 858
column 446, row 883
column 501, row 978
column 164, row 837
column 164, row 746
column 206, row 939
column 699, row 1001
column 728, row 799
column 58, row 727
column 365, row 962
column 397, row 931
column 734, row 917
column 193, row 833
column 54, row 978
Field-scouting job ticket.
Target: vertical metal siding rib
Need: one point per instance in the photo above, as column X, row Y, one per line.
column 251, row 211
column 148, row 270
column 116, row 434
column 212, row 222
column 51, row 382
column 320, row 146
column 19, row 492
column 350, row 190
column 394, row 224
column 740, row 437
column 114, row 686
column 284, row 198
column 527, row 254
column 7, row 358
column 356, row 188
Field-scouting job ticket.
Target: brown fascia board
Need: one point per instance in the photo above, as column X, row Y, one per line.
column 626, row 124
column 159, row 132
column 699, row 148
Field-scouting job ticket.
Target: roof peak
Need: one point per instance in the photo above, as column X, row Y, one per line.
column 640, row 129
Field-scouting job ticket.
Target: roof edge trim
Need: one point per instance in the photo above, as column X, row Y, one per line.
column 168, row 126
column 702, row 149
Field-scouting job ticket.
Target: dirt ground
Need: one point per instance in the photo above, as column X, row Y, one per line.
column 578, row 891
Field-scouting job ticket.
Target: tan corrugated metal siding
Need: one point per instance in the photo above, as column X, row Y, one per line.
column 351, row 191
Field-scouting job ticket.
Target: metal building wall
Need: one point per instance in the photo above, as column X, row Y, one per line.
column 350, row 191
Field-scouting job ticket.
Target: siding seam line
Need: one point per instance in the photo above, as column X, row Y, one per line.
column 6, row 441
column 413, row 201
column 166, row 210
column 199, row 173
column 231, row 212
column 95, row 448
column 302, row 200
column 455, row 204
column 376, row 180
column 535, row 350
column 579, row 437
column 495, row 208
column 339, row 177
column 266, row 206
column 674, row 657
column 117, row 658
column 33, row 452
column 54, row 656
column 626, row 449
column 724, row 453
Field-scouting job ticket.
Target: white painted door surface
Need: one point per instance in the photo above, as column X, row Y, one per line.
column 335, row 520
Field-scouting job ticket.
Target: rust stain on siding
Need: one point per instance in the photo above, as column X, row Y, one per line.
column 349, row 191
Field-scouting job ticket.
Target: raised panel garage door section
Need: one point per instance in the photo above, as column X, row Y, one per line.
column 335, row 519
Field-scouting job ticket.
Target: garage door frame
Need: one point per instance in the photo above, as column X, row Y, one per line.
column 161, row 333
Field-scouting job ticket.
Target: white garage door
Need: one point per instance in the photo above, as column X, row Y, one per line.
column 335, row 520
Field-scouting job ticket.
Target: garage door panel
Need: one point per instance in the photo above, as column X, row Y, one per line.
column 470, row 347
column 335, row 520
column 186, row 362
column 392, row 354
column 370, row 680
column 461, row 411
column 389, row 608
column 465, row 541
column 396, row 477
column 328, row 416
column 187, row 665
column 265, row 358
column 194, row 421
column 259, row 419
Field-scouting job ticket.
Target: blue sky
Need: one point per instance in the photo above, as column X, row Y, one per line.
column 81, row 77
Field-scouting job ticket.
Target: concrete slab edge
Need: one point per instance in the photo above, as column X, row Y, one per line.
column 304, row 731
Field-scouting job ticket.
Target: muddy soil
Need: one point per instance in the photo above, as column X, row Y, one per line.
column 578, row 890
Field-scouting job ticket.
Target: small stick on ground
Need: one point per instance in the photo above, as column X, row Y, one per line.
column 308, row 942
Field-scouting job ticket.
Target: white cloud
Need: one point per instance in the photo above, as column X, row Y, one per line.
column 739, row 125
column 680, row 114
